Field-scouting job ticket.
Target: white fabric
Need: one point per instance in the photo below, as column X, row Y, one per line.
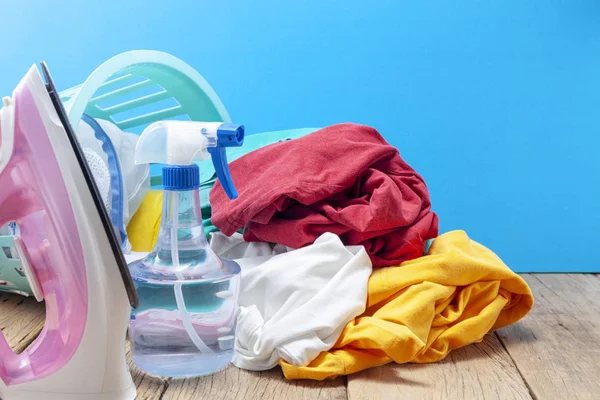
column 134, row 256
column 101, row 175
column 294, row 303
column 136, row 178
column 234, row 247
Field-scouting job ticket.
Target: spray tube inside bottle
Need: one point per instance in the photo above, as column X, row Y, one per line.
column 178, row 145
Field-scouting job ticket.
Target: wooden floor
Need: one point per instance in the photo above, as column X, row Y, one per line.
column 554, row 353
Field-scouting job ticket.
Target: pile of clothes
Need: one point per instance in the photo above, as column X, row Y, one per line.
column 342, row 265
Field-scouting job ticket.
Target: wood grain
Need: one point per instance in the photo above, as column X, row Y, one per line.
column 148, row 387
column 557, row 346
column 21, row 320
column 235, row 383
column 479, row 371
column 554, row 353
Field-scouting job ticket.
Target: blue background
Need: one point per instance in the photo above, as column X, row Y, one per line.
column 496, row 103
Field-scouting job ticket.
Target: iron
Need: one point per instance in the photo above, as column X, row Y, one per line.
column 70, row 255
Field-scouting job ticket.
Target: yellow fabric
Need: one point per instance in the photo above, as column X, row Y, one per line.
column 421, row 310
column 143, row 227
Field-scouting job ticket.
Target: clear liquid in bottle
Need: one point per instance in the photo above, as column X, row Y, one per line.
column 184, row 325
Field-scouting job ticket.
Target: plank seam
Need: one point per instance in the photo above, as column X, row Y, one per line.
column 346, row 387
column 167, row 383
column 527, row 385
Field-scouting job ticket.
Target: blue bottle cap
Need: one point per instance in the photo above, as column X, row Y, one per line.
column 181, row 177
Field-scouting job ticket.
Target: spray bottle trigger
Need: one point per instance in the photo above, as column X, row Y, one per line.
column 219, row 159
column 228, row 135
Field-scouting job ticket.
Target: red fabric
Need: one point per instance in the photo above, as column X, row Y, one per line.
column 344, row 179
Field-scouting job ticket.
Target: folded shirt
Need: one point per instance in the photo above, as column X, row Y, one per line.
column 421, row 310
column 345, row 179
column 294, row 303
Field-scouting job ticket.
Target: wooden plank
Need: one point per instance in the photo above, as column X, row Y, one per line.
column 21, row 319
column 557, row 346
column 234, row 383
column 148, row 387
column 556, row 349
column 478, row 371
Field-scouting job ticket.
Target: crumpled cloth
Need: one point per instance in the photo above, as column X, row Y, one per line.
column 294, row 303
column 345, row 179
column 421, row 310
column 208, row 176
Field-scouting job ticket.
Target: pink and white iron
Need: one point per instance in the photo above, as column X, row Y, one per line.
column 70, row 253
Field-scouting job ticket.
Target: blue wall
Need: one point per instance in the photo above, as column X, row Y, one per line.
column 495, row 103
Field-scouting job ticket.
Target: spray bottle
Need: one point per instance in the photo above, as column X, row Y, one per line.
column 185, row 323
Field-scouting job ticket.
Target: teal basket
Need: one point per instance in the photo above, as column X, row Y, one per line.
column 132, row 90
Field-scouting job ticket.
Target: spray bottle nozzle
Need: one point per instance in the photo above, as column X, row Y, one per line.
column 230, row 135
column 180, row 143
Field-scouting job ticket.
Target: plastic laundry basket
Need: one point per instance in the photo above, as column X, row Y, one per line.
column 132, row 90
